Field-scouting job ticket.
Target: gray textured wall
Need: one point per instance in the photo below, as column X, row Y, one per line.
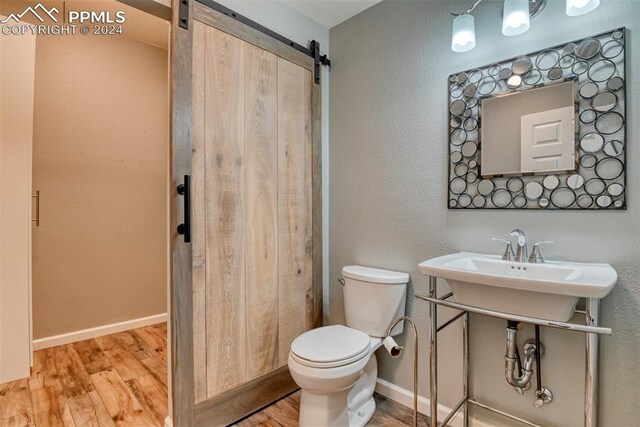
column 388, row 162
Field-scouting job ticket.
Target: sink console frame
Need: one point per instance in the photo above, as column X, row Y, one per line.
column 591, row 328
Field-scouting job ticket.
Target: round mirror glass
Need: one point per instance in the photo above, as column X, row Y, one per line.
column 563, row 197
column 479, row 201
column 470, row 91
column 609, row 168
column 585, row 201
column 456, row 157
column 588, row 48
column 501, row 198
column 457, row 107
column 519, row 201
column 504, row 74
column 613, row 148
column 458, row 185
column 514, row 81
column 470, row 124
column 464, row 201
column 469, row 149
column 575, row 181
column 604, row 101
column 515, row 185
column 587, row 90
column 615, row 83
column 592, row 143
column 550, row 182
column 485, row 187
column 588, row 161
column 458, row 136
column 603, row 201
column 615, row 189
column 588, row 116
column 533, row 190
column 555, row 73
column 609, row 123
column 461, row 169
column 594, row 186
column 521, row 65
column 569, row 48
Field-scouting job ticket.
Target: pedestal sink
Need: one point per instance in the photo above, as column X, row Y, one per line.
column 546, row 291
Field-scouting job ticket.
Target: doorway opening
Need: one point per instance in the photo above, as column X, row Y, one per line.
column 98, row 183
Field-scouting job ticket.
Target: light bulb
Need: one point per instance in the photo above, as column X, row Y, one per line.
column 515, row 17
column 463, row 38
column 581, row 7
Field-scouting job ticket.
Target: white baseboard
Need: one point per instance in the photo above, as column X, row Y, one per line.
column 405, row 398
column 168, row 422
column 99, row 331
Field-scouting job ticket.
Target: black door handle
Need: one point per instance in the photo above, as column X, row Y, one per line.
column 184, row 190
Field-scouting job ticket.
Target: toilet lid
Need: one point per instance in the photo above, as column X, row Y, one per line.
column 330, row 344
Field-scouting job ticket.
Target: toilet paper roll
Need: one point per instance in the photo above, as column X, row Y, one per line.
column 392, row 347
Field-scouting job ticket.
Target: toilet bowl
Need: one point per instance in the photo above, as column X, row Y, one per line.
column 335, row 366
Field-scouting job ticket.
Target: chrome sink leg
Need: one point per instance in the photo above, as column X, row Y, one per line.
column 591, row 369
column 433, row 351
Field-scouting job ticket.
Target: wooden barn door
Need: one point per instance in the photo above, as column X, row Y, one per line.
column 255, row 203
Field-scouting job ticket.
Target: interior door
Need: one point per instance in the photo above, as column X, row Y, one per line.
column 17, row 67
column 548, row 140
column 247, row 131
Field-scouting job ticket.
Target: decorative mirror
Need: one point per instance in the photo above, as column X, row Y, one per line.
column 545, row 130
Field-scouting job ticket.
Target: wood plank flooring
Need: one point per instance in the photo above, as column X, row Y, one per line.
column 284, row 413
column 121, row 380
column 115, row 380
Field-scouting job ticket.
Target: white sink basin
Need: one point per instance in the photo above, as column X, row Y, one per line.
column 547, row 291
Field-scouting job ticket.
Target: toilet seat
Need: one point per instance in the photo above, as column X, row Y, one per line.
column 330, row 347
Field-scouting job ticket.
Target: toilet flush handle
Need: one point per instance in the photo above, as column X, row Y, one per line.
column 341, row 281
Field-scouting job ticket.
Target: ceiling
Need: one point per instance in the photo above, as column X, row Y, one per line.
column 330, row 13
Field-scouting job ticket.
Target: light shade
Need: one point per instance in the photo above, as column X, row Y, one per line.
column 463, row 38
column 515, row 17
column 580, row 7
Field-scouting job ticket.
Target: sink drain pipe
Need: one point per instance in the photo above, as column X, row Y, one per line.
column 395, row 350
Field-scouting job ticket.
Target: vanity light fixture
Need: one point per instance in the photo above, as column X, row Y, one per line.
column 581, row 7
column 515, row 17
column 464, row 33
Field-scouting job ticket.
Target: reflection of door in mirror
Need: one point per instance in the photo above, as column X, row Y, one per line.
column 547, row 141
column 549, row 145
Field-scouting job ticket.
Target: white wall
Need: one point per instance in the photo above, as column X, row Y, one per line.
column 100, row 163
column 388, row 166
column 292, row 24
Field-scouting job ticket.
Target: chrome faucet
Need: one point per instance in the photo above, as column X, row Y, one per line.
column 521, row 250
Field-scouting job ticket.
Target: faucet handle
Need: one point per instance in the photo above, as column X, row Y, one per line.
column 508, row 254
column 536, row 256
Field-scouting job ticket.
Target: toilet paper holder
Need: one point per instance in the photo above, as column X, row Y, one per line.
column 395, row 350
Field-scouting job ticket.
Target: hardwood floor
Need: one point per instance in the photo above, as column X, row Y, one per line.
column 115, row 380
column 284, row 413
column 121, row 380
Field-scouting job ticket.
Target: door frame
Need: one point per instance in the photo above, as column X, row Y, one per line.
column 185, row 411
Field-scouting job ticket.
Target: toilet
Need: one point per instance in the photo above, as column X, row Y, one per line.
column 335, row 366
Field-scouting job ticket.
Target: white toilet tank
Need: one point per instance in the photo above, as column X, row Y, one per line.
column 374, row 299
